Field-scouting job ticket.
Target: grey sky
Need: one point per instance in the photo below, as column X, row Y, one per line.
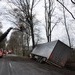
column 59, row 30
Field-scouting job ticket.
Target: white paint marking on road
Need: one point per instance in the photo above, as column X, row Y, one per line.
column 10, row 65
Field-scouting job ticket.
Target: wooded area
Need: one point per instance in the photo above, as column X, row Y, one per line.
column 28, row 28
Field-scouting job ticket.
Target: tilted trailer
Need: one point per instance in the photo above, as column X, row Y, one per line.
column 55, row 52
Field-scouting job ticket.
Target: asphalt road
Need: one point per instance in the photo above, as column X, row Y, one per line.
column 23, row 66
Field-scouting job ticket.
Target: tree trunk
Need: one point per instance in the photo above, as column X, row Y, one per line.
column 32, row 34
column 23, row 45
column 66, row 25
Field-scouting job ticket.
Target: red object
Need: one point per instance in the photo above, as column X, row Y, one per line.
column 1, row 53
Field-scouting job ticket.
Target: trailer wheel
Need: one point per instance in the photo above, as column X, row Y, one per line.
column 43, row 60
column 32, row 56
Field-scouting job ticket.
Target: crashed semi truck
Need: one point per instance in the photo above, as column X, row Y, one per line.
column 55, row 52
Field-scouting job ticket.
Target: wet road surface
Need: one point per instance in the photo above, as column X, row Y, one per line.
column 22, row 66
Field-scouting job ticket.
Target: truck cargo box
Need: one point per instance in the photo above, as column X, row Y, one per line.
column 56, row 52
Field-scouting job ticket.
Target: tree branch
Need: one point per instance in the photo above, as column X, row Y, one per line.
column 72, row 1
column 67, row 9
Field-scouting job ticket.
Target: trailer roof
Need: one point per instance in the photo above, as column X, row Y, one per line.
column 44, row 49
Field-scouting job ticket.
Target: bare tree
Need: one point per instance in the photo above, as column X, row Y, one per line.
column 16, row 36
column 64, row 7
column 64, row 15
column 67, row 9
column 38, row 37
column 48, row 15
column 26, row 14
column 73, row 1
column 49, row 12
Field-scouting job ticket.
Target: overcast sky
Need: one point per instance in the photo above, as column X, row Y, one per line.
column 7, row 24
column 59, row 30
